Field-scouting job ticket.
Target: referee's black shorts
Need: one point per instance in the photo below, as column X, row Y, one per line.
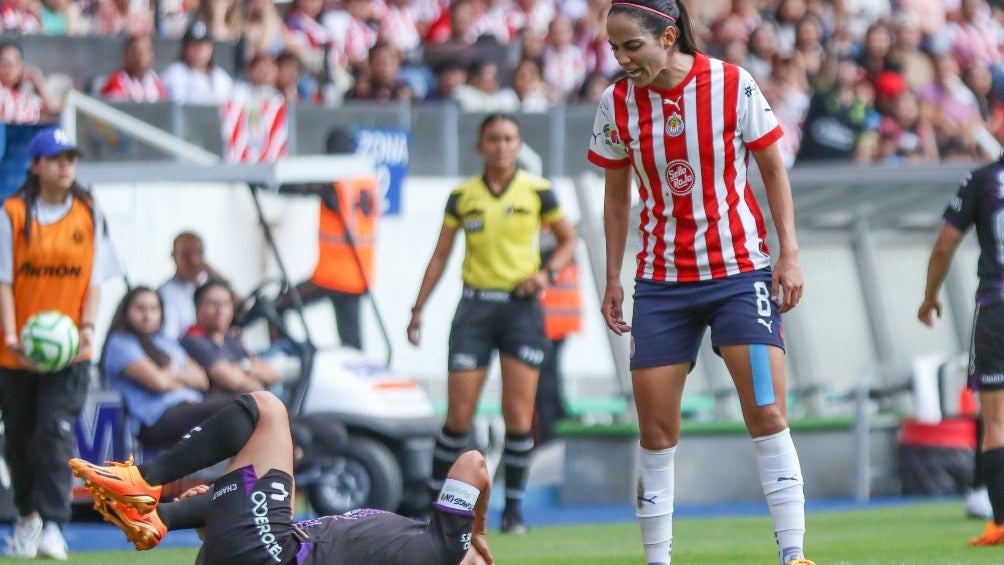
column 494, row 319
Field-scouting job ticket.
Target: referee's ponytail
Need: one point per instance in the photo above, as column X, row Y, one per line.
column 658, row 15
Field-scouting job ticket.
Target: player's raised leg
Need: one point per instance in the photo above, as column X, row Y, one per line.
column 254, row 430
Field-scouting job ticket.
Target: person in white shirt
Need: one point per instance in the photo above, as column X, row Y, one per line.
column 191, row 271
column 194, row 78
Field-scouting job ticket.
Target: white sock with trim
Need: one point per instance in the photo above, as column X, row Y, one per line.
column 781, row 478
column 654, row 506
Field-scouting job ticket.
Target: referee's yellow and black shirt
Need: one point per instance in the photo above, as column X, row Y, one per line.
column 502, row 231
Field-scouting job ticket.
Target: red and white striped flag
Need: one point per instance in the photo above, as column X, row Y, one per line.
column 254, row 131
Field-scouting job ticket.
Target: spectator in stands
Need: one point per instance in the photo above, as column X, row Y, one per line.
column 840, row 122
column 448, row 76
column 529, row 86
column 906, row 134
column 136, row 81
column 906, row 55
column 315, row 45
column 20, row 16
column 259, row 82
column 787, row 92
column 591, row 37
column 177, row 294
column 120, row 17
column 214, row 345
column 353, row 32
column 808, row 49
column 787, row 16
column 563, row 63
column 173, row 16
column 762, row 50
column 162, row 387
column 263, row 30
column 194, row 78
column 62, row 17
column 223, row 18
column 953, row 110
column 974, row 37
column 24, row 97
column 592, row 88
column 378, row 80
column 977, row 78
column 875, row 50
column 482, row 92
column 295, row 86
column 399, row 26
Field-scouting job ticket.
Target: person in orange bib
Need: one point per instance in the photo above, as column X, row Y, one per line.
column 54, row 254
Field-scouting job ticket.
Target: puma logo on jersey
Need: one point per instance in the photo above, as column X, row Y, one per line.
column 766, row 324
column 674, row 103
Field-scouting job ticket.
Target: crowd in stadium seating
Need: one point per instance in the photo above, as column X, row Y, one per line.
column 869, row 80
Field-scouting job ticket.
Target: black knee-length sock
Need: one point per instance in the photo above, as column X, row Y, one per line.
column 516, row 460
column 217, row 438
column 186, row 513
column 448, row 446
column 993, row 474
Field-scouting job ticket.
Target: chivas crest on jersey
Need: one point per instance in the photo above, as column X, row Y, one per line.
column 674, row 125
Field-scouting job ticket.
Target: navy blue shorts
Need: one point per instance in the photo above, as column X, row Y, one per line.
column 988, row 348
column 670, row 318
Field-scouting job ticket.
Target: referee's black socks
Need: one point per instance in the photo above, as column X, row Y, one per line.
column 217, row 438
column 516, row 459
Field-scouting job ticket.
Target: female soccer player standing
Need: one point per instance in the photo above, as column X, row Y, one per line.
column 54, row 254
column 685, row 124
column 501, row 214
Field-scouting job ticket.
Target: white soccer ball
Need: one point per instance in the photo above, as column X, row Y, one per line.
column 50, row 339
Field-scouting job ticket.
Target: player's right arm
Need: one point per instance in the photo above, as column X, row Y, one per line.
column 616, row 217
column 433, row 272
column 937, row 267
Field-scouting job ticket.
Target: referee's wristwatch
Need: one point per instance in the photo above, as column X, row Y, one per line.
column 552, row 275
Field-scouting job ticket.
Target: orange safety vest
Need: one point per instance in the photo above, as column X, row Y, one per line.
column 53, row 271
column 563, row 304
column 337, row 266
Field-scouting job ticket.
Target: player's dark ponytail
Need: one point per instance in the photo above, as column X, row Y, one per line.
column 658, row 15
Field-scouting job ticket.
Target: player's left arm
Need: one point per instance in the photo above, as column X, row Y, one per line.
column 937, row 267
column 470, row 468
column 89, row 313
column 787, row 282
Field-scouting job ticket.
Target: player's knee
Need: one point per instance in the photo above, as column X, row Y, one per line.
column 471, row 459
column 269, row 405
column 766, row 421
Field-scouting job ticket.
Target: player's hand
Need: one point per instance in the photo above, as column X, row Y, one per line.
column 194, row 491
column 15, row 347
column 478, row 553
column 415, row 328
column 786, row 284
column 613, row 301
column 535, row 284
column 930, row 307
column 84, row 347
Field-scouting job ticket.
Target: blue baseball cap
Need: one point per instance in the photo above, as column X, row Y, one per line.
column 49, row 143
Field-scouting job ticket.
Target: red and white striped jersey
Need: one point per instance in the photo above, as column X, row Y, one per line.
column 121, row 87
column 19, row 106
column 255, row 128
column 689, row 148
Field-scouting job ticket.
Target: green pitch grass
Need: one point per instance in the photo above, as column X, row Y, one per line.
column 910, row 534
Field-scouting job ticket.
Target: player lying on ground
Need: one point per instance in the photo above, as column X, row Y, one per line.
column 247, row 515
